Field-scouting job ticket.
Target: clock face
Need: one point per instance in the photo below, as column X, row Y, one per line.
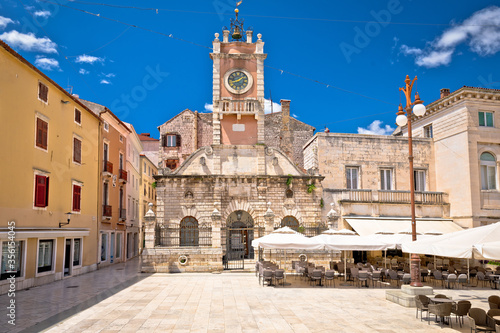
column 238, row 80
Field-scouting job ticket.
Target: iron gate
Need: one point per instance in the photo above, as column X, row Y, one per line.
column 238, row 247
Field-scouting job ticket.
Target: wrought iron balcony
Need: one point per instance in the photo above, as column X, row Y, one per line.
column 123, row 176
column 106, row 211
column 107, row 167
column 239, row 106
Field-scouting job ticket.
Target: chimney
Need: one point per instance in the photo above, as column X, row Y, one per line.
column 285, row 108
column 444, row 92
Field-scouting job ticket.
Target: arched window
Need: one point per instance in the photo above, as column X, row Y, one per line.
column 189, row 235
column 289, row 193
column 488, row 171
column 291, row 222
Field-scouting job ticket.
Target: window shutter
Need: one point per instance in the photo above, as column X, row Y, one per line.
column 76, row 197
column 77, row 150
column 39, row 132
column 46, row 191
column 43, row 91
column 178, row 140
column 164, row 140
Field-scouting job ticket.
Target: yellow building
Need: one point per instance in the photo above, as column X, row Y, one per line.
column 50, row 168
column 112, row 185
column 147, row 190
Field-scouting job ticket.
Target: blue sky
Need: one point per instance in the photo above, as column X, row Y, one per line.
column 360, row 52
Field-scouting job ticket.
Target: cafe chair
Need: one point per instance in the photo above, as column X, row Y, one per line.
column 460, row 309
column 478, row 321
column 441, row 310
column 494, row 302
column 422, row 303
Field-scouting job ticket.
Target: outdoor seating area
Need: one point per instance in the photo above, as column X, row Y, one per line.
column 443, row 307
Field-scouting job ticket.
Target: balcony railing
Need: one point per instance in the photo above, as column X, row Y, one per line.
column 107, row 166
column 123, row 214
column 123, row 175
column 382, row 196
column 106, row 211
column 239, row 106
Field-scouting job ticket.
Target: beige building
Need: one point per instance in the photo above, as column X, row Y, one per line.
column 112, row 196
column 147, row 192
column 133, row 222
column 49, row 178
column 464, row 127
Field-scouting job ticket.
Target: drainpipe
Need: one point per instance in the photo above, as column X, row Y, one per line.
column 99, row 174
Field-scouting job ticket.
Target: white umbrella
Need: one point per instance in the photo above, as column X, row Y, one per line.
column 286, row 238
column 490, row 250
column 458, row 244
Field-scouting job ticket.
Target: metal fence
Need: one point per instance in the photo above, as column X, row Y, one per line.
column 174, row 235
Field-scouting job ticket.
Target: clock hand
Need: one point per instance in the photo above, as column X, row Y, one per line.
column 238, row 79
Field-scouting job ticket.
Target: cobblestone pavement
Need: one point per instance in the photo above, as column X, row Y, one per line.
column 228, row 302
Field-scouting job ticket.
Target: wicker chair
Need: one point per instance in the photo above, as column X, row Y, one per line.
column 461, row 309
column 267, row 277
column 478, row 320
column 375, row 277
column 441, row 296
column 438, row 276
column 462, row 280
column 494, row 302
column 442, row 310
column 451, row 280
column 279, row 274
column 317, row 275
column 363, row 278
column 330, row 276
column 481, row 277
column 406, row 279
column 422, row 303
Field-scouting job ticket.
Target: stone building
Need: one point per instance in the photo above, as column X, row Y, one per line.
column 224, row 179
column 463, row 127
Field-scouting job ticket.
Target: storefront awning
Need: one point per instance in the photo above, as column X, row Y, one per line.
column 365, row 226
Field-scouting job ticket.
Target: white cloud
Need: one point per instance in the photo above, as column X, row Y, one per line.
column 267, row 106
column 209, row 107
column 29, row 42
column 83, row 71
column 294, row 115
column 88, row 59
column 109, row 75
column 42, row 13
column 375, row 129
column 49, row 64
column 4, row 21
column 481, row 31
column 104, row 82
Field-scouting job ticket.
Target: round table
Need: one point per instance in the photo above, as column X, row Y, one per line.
column 497, row 319
column 441, row 300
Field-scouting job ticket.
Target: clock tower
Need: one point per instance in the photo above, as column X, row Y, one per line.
column 238, row 86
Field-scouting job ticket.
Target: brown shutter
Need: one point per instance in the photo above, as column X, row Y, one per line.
column 164, row 140
column 41, row 133
column 178, row 140
column 46, row 191
column 78, row 116
column 43, row 91
column 76, row 197
column 77, row 150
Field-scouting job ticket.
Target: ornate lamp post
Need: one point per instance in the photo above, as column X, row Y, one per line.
column 402, row 119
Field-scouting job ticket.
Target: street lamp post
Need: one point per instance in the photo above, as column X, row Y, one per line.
column 402, row 120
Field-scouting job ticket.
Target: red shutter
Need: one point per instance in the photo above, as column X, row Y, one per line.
column 41, row 191
column 76, row 197
column 178, row 140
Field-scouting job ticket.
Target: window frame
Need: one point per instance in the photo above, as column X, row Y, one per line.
column 46, row 271
column 415, row 182
column 36, row 203
column 40, row 84
column 349, row 177
column 78, row 120
column 20, row 260
column 105, row 125
column 41, row 145
column 77, row 153
column 383, row 181
column 80, row 252
column 485, row 167
column 428, row 129
column 484, row 118
column 78, row 207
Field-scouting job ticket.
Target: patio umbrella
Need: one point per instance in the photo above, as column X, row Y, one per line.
column 286, row 238
column 458, row 244
column 347, row 240
column 490, row 250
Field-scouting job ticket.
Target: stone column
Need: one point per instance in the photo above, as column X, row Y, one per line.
column 269, row 218
column 150, row 228
column 216, row 226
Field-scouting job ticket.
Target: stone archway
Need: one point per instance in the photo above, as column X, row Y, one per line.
column 239, row 236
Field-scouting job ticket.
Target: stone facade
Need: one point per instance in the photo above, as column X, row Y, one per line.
column 333, row 153
column 459, row 140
